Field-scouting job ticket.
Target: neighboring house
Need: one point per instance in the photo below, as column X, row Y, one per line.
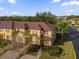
column 36, row 32
column 74, row 22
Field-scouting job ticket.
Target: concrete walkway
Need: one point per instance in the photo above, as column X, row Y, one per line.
column 28, row 57
column 10, row 55
column 39, row 53
column 31, row 56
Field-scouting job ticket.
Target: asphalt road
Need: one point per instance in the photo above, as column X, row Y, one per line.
column 75, row 39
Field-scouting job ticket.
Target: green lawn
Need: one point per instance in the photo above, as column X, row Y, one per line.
column 33, row 53
column 45, row 55
column 69, row 50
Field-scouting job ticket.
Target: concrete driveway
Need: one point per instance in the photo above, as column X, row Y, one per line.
column 75, row 40
column 28, row 57
column 10, row 55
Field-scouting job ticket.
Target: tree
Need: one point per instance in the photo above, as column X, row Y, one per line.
column 37, row 14
column 55, row 51
column 63, row 27
column 14, row 33
column 46, row 17
column 27, row 36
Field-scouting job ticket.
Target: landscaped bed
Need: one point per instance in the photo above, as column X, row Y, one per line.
column 49, row 52
column 46, row 55
column 31, row 50
column 3, row 43
column 4, row 46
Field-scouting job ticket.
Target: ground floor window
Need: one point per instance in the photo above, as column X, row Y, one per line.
column 46, row 42
column 20, row 39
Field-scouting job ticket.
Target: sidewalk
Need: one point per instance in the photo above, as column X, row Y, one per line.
column 39, row 53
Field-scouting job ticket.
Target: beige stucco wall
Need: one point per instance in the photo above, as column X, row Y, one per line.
column 49, row 34
column 35, row 39
column 7, row 32
column 20, row 34
column 48, row 44
column 72, row 21
column 36, row 36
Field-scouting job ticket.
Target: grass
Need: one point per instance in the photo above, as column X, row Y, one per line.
column 69, row 50
column 45, row 55
column 34, row 53
column 68, row 47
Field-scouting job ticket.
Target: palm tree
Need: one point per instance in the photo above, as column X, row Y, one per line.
column 28, row 36
column 63, row 27
column 14, row 33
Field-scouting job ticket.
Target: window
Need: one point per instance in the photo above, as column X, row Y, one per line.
column 46, row 34
column 1, row 29
column 49, row 33
column 7, row 30
column 34, row 31
column 38, row 32
column 31, row 31
column 20, row 39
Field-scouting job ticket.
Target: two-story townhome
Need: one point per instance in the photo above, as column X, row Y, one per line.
column 28, row 32
column 74, row 22
column 5, row 30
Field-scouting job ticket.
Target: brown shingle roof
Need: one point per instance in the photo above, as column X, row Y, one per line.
column 33, row 25
column 52, row 27
column 5, row 24
column 44, row 26
column 19, row 25
column 23, row 25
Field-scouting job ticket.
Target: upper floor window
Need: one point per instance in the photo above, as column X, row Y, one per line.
column 49, row 33
column 46, row 34
column 1, row 29
column 20, row 39
column 7, row 30
column 34, row 31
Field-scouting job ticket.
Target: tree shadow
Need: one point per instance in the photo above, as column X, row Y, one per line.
column 66, row 37
column 59, row 41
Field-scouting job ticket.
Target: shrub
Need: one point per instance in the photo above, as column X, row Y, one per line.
column 33, row 48
column 59, row 39
column 55, row 51
column 3, row 43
